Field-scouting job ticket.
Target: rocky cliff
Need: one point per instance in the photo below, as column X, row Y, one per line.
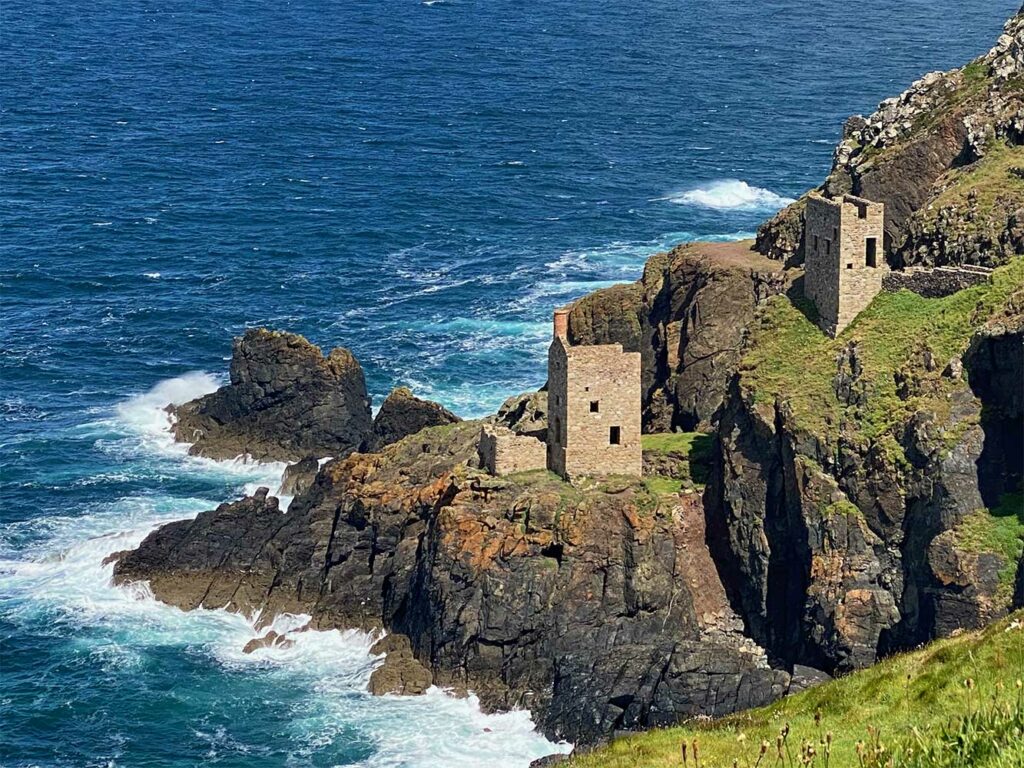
column 687, row 317
column 598, row 608
column 285, row 401
column 946, row 158
column 866, row 491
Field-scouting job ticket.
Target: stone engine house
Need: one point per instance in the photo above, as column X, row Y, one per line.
column 844, row 257
column 593, row 407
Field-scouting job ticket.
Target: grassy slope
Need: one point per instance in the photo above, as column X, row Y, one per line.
column 791, row 359
column 924, row 689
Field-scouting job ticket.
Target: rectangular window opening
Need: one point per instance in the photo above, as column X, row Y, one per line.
column 815, row 243
column 828, row 247
column 871, row 252
column 849, row 265
column 615, row 436
column 862, row 211
column 595, row 406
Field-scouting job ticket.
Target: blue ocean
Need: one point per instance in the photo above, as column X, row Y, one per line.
column 418, row 181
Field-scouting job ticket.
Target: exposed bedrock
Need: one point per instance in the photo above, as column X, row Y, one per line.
column 686, row 317
column 598, row 609
column 285, row 401
column 837, row 548
column 402, row 414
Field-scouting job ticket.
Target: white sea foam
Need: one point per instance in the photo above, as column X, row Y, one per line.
column 731, row 194
column 62, row 579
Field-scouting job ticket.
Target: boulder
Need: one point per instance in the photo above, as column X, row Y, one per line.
column 403, row 414
column 285, row 401
column 526, row 414
column 400, row 672
column 270, row 640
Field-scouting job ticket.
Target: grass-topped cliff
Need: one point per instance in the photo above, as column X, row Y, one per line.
column 956, row 702
column 899, row 336
column 946, row 158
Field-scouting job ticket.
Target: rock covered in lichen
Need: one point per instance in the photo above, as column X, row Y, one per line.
column 597, row 608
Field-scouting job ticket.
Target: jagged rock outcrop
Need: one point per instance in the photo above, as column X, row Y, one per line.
column 285, row 401
column 402, row 414
column 525, row 414
column 598, row 609
column 945, row 157
column 849, row 510
column 298, row 477
column 686, row 317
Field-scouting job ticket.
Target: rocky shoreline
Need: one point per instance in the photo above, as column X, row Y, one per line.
column 844, row 516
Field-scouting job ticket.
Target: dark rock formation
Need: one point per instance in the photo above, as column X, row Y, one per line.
column 526, row 414
column 403, row 414
column 837, row 546
column 597, row 609
column 686, row 317
column 298, row 477
column 400, row 673
column 945, row 157
column 285, row 401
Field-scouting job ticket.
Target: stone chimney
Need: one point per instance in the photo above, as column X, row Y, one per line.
column 562, row 324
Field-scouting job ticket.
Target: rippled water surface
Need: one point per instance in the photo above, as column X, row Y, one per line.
column 420, row 182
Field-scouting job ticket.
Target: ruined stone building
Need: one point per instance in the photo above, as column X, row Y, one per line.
column 844, row 258
column 593, row 407
column 503, row 452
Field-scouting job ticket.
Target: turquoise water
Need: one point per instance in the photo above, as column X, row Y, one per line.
column 420, row 182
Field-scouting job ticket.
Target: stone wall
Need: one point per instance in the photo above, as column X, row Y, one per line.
column 503, row 452
column 843, row 273
column 821, row 261
column 935, row 283
column 594, row 410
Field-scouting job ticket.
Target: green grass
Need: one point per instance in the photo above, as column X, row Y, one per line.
column 692, row 445
column 663, row 485
column 789, row 358
column 926, row 690
column 996, row 176
column 1000, row 531
column 693, row 448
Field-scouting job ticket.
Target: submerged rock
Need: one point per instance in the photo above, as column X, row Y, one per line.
column 285, row 401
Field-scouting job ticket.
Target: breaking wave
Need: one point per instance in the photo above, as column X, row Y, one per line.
column 731, row 195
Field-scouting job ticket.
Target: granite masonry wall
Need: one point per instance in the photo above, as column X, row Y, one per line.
column 934, row 283
column 593, row 408
column 844, row 257
column 503, row 452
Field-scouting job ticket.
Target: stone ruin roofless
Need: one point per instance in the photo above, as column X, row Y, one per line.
column 593, row 415
column 593, row 407
column 844, row 257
